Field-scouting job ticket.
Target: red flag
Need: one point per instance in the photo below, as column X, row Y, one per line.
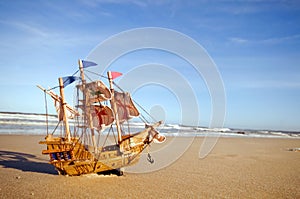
column 114, row 75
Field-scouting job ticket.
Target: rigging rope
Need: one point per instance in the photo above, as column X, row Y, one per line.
column 141, row 116
column 96, row 74
column 46, row 107
column 55, row 128
column 87, row 77
column 138, row 106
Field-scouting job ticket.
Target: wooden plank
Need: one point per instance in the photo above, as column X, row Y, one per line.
column 54, row 151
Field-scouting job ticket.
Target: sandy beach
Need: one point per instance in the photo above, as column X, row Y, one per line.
column 235, row 168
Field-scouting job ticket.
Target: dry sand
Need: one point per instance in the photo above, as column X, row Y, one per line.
column 236, row 168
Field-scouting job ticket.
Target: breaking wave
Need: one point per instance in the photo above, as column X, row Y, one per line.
column 35, row 124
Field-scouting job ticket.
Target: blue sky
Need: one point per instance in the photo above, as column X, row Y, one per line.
column 255, row 45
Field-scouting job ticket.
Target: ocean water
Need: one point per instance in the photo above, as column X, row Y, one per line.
column 35, row 124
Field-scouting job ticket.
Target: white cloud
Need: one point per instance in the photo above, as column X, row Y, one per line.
column 95, row 3
column 273, row 40
column 280, row 39
column 40, row 35
column 238, row 40
column 32, row 29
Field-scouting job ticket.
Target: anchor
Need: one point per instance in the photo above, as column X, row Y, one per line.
column 150, row 159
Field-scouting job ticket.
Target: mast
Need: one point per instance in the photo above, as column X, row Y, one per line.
column 87, row 106
column 64, row 108
column 114, row 106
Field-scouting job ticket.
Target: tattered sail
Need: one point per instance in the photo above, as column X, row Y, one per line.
column 103, row 117
column 97, row 91
column 125, row 107
column 71, row 113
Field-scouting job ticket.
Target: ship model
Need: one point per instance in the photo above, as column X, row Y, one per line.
column 99, row 112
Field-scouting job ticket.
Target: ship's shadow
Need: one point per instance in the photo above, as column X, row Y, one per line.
column 25, row 162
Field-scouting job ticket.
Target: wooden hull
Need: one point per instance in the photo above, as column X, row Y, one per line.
column 73, row 158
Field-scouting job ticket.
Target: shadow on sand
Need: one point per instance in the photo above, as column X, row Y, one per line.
column 23, row 162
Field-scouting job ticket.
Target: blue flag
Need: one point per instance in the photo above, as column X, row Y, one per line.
column 86, row 64
column 69, row 79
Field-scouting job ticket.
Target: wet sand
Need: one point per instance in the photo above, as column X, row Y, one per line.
column 235, row 168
